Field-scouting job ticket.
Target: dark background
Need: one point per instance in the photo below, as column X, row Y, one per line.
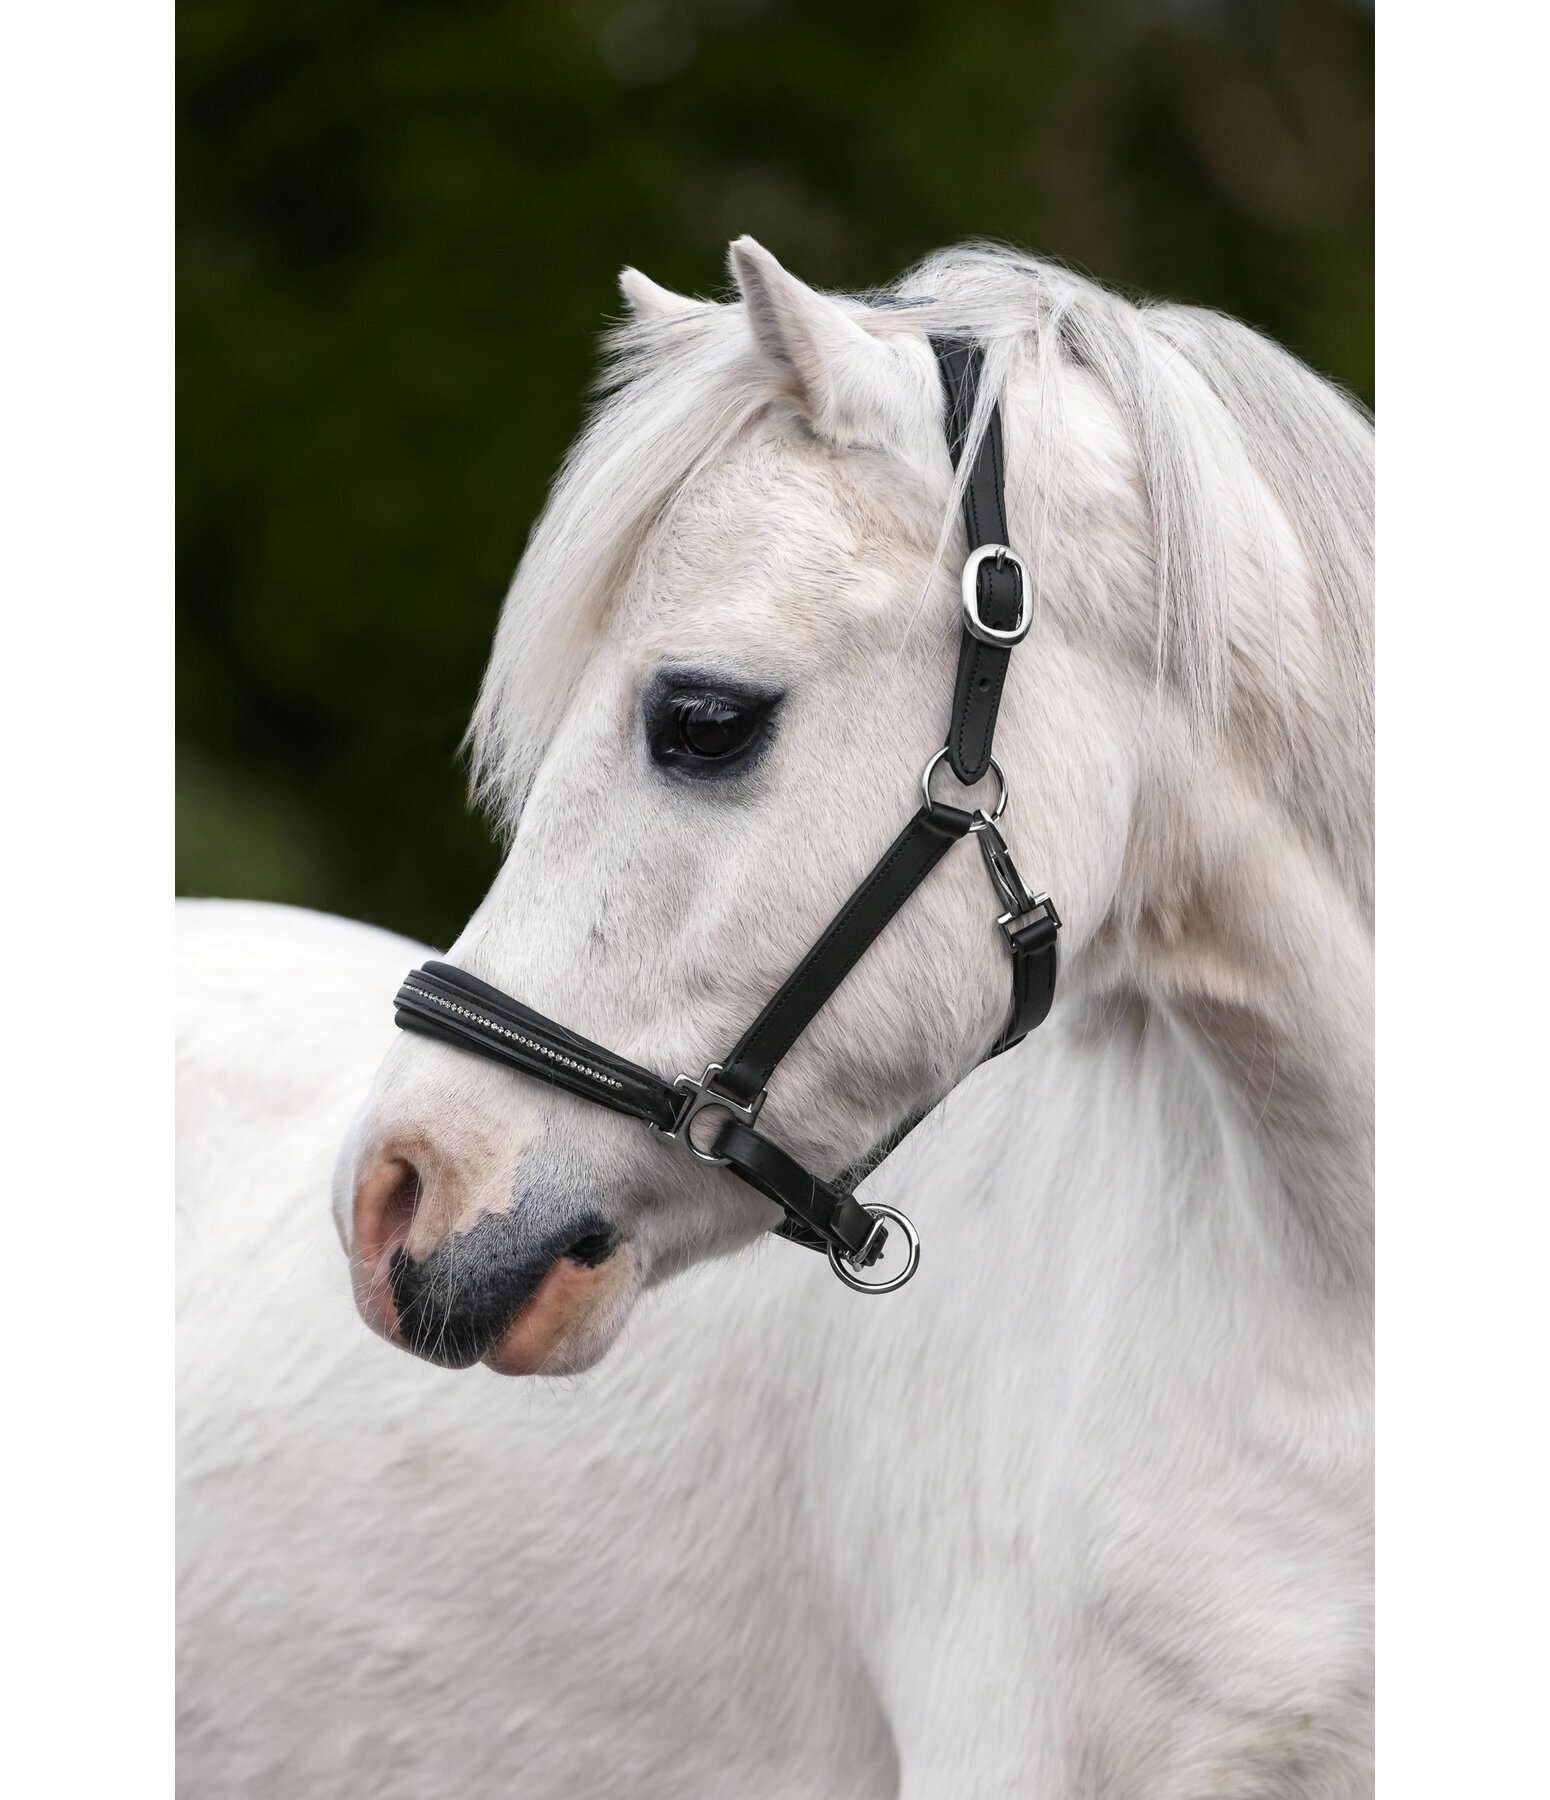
column 401, row 221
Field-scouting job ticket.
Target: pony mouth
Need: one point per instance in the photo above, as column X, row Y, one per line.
column 519, row 1302
column 558, row 1328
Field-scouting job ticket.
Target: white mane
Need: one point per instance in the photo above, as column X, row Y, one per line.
column 1209, row 406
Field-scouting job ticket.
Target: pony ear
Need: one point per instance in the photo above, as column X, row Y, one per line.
column 844, row 380
column 648, row 302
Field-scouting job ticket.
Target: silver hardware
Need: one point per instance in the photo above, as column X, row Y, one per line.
column 983, row 819
column 973, row 623
column 702, row 1096
column 1003, row 873
column 1038, row 900
column 847, row 1268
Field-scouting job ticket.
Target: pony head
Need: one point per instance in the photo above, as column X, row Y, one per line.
column 725, row 659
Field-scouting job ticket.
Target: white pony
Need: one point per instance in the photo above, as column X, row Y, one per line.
column 1083, row 1511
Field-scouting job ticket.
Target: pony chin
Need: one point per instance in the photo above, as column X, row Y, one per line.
column 572, row 1319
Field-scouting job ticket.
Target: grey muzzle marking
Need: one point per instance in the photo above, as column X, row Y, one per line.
column 456, row 1304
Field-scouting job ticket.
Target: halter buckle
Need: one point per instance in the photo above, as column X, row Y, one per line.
column 973, row 623
column 701, row 1095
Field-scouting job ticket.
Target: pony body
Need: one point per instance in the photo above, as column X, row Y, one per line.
column 1082, row 1511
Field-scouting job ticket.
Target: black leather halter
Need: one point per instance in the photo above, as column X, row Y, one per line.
column 444, row 1002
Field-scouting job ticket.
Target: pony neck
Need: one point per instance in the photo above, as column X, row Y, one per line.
column 1245, row 937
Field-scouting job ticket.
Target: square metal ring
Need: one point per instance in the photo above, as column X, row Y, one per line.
column 701, row 1096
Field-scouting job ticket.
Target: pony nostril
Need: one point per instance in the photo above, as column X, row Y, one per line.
column 385, row 1206
column 398, row 1208
column 596, row 1247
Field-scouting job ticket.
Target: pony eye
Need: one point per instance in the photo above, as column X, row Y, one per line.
column 704, row 728
column 712, row 728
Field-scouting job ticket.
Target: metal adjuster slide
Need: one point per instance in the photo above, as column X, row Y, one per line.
column 1012, row 923
column 973, row 623
column 701, row 1096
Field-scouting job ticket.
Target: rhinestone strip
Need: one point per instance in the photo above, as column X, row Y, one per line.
column 527, row 1043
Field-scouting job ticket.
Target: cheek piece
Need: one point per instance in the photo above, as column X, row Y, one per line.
column 447, row 1003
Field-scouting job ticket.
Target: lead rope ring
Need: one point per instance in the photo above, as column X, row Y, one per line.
column 848, row 1275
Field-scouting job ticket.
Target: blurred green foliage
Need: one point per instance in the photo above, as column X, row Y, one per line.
column 401, row 222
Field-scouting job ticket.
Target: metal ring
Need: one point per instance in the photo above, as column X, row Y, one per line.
column 983, row 817
column 853, row 1280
